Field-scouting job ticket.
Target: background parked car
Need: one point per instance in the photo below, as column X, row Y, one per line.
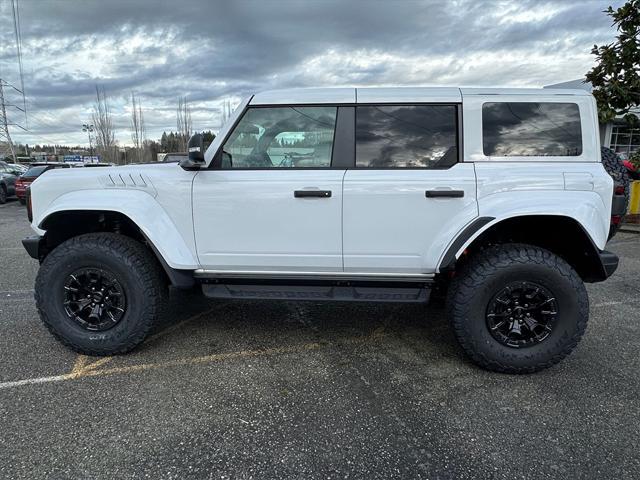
column 30, row 175
column 174, row 157
column 19, row 167
column 8, row 176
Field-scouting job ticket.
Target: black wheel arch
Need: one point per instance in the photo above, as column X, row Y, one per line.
column 559, row 234
column 63, row 225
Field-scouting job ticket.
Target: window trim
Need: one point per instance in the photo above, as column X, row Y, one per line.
column 527, row 157
column 216, row 162
column 459, row 132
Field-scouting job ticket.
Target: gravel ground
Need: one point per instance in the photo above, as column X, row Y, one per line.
column 267, row 389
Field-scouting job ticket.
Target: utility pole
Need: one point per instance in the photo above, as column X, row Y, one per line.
column 6, row 145
column 89, row 129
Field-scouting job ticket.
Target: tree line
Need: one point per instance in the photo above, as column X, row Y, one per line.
column 102, row 139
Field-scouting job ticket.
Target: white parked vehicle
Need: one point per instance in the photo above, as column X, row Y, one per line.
column 495, row 196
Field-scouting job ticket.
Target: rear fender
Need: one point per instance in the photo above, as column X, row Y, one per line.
column 586, row 208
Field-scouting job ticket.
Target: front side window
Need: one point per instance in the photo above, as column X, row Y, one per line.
column 531, row 129
column 406, row 136
column 282, row 137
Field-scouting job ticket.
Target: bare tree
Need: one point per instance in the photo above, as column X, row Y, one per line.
column 103, row 123
column 183, row 123
column 138, row 134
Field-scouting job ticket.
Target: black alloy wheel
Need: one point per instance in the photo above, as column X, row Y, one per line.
column 94, row 299
column 522, row 314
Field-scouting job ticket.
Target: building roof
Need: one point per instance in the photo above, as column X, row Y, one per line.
column 579, row 83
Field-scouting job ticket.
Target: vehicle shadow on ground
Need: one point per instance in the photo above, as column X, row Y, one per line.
column 194, row 325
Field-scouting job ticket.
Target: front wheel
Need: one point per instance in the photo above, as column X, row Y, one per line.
column 100, row 293
column 517, row 308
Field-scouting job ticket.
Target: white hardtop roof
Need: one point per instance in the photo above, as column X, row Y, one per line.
column 394, row 94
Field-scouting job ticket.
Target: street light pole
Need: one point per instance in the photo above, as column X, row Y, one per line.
column 89, row 128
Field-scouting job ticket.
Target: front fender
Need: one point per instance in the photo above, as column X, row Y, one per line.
column 141, row 208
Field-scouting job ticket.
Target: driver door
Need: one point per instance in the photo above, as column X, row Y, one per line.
column 275, row 203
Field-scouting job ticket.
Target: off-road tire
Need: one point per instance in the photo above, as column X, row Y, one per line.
column 3, row 194
column 614, row 167
column 135, row 268
column 491, row 270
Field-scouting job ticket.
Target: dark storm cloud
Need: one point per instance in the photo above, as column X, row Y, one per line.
column 215, row 50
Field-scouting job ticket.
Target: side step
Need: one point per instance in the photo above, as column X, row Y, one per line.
column 318, row 293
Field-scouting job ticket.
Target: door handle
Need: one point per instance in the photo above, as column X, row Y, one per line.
column 444, row 193
column 312, row 193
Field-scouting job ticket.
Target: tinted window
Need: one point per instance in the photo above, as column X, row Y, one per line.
column 531, row 129
column 283, row 137
column 34, row 171
column 416, row 136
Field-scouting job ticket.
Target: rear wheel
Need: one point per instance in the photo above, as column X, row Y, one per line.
column 3, row 194
column 100, row 293
column 23, row 201
column 517, row 308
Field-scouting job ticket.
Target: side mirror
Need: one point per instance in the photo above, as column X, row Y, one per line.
column 195, row 150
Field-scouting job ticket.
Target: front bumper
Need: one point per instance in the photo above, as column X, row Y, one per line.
column 33, row 246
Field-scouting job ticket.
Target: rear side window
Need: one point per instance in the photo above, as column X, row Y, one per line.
column 531, row 129
column 406, row 136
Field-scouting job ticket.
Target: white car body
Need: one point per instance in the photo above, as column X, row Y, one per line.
column 376, row 223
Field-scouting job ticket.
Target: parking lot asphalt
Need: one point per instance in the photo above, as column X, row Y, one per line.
column 271, row 389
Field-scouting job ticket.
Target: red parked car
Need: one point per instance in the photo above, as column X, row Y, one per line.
column 30, row 175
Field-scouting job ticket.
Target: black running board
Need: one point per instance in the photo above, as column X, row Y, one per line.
column 318, row 293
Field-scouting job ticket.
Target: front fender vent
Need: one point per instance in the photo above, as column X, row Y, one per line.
column 133, row 180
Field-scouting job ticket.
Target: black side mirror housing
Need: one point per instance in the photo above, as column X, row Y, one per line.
column 195, row 150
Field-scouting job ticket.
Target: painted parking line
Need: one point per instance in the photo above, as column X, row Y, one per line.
column 83, row 368
column 83, row 365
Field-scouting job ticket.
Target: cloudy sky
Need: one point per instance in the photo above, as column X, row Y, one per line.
column 217, row 51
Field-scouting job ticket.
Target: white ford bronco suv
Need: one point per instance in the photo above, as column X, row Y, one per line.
column 496, row 197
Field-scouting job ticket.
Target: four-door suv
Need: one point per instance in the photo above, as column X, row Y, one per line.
column 497, row 196
column 8, row 176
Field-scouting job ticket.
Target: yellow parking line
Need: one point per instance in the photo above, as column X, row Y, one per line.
column 81, row 366
column 83, row 369
column 218, row 357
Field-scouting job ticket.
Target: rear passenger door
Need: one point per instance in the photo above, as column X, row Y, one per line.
column 408, row 195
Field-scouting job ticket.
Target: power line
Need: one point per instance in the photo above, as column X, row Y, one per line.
column 16, row 29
